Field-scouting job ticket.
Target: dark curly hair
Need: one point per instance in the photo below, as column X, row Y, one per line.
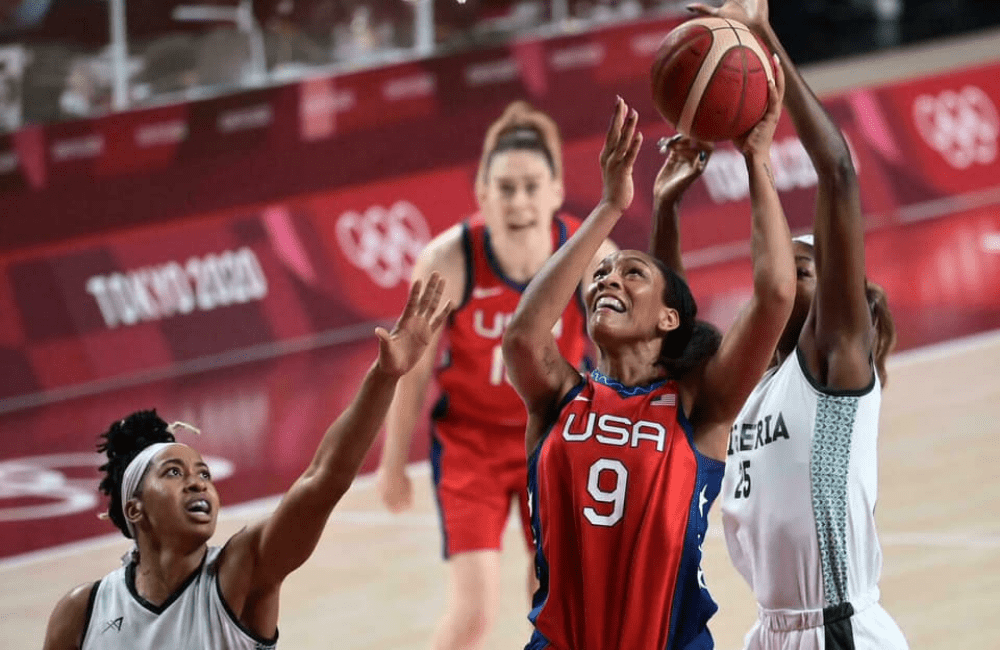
column 694, row 341
column 122, row 442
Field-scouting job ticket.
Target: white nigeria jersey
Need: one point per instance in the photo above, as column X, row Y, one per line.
column 798, row 497
column 194, row 618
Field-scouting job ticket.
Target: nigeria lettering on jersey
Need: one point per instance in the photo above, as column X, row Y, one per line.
column 499, row 324
column 615, row 430
column 748, row 436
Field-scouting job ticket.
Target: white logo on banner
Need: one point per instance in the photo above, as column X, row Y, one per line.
column 384, row 243
column 962, row 126
column 726, row 174
column 42, row 477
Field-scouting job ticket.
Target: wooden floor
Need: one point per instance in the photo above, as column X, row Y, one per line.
column 376, row 582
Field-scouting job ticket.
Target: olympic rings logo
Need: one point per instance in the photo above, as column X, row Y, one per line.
column 962, row 126
column 42, row 479
column 384, row 243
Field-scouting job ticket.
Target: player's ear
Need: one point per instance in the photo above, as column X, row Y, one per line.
column 670, row 320
column 133, row 511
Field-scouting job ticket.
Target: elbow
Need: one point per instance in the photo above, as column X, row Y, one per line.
column 777, row 290
column 516, row 339
column 837, row 172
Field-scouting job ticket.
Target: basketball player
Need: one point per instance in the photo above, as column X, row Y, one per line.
column 800, row 483
column 177, row 592
column 478, row 457
column 625, row 463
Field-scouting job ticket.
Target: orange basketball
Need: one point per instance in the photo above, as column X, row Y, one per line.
column 710, row 78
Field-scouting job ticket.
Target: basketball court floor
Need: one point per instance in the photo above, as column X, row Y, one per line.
column 376, row 581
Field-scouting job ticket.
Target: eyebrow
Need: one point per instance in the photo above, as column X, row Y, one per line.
column 178, row 461
column 807, row 258
column 636, row 258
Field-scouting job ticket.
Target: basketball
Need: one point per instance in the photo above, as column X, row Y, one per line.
column 709, row 79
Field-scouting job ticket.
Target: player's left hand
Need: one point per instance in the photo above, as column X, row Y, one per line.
column 400, row 349
column 686, row 160
column 757, row 141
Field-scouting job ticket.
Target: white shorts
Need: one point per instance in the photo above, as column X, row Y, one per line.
column 869, row 627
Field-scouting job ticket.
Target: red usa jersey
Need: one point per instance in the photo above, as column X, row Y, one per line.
column 619, row 498
column 472, row 377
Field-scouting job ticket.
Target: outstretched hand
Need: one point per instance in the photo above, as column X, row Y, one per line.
column 618, row 156
column 752, row 13
column 758, row 140
column 400, row 349
column 686, row 160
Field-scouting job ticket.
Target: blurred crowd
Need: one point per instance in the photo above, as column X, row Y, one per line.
column 56, row 61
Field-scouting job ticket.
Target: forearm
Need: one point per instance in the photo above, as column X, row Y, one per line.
column 546, row 296
column 347, row 441
column 407, row 406
column 770, row 239
column 665, row 239
column 820, row 137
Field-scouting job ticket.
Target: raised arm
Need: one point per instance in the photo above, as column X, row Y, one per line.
column 837, row 339
column 686, row 160
column 268, row 551
column 443, row 255
column 536, row 367
column 749, row 344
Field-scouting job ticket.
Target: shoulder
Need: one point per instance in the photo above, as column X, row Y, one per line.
column 444, row 253
column 69, row 617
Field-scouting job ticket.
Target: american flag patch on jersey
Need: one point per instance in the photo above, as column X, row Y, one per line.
column 669, row 399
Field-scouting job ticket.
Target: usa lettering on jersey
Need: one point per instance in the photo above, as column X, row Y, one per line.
column 615, row 430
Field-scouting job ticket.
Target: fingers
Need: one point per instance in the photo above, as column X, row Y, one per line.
column 615, row 128
column 432, row 294
column 665, row 144
column 633, row 150
column 382, row 334
column 441, row 316
column 411, row 301
column 703, row 10
column 779, row 77
column 628, row 135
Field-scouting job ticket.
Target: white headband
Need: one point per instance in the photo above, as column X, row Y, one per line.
column 805, row 239
column 133, row 475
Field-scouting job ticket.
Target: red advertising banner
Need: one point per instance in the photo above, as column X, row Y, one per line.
column 212, row 231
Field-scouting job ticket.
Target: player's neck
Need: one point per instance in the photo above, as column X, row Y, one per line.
column 631, row 365
column 162, row 570
column 521, row 252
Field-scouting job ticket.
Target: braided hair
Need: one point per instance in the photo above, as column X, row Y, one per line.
column 885, row 328
column 693, row 341
column 122, row 442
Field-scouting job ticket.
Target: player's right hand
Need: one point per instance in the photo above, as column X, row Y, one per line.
column 394, row 488
column 757, row 142
column 618, row 156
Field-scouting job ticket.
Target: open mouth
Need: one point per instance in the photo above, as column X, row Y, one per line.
column 610, row 302
column 199, row 507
